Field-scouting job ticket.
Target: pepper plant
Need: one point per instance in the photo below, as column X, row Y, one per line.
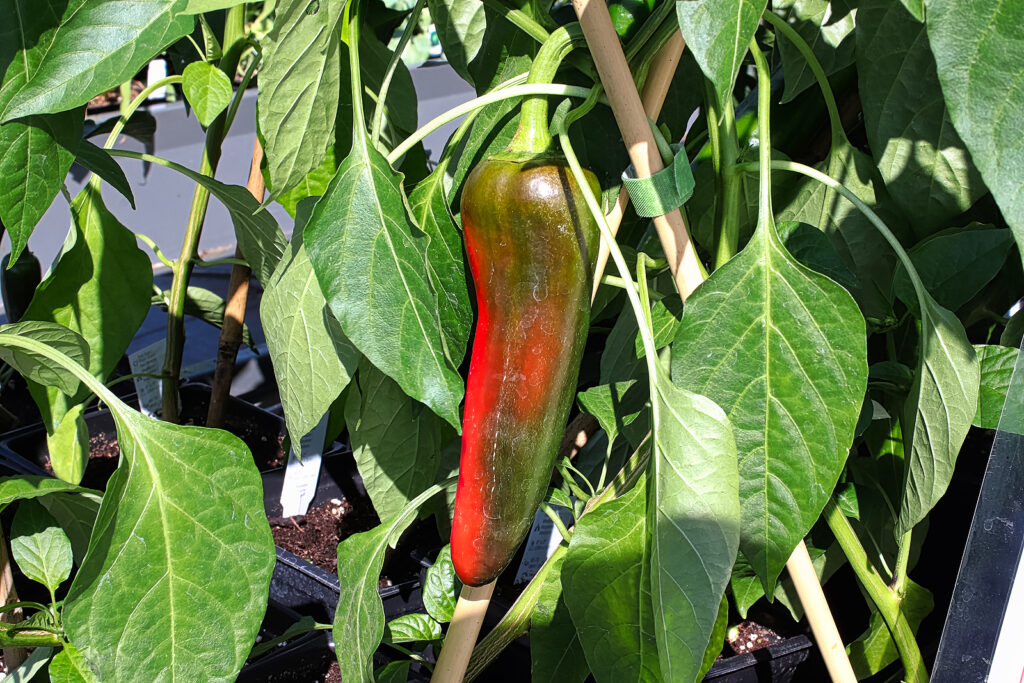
column 855, row 210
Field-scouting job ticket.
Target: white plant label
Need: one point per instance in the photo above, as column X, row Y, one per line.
column 300, row 478
column 541, row 543
column 1008, row 660
column 148, row 360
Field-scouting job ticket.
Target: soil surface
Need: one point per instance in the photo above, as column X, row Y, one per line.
column 748, row 636
column 315, row 536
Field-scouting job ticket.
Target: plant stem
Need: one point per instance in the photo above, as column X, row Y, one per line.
column 532, row 135
column 557, row 521
column 479, row 102
column 886, row 602
column 516, row 621
column 519, row 19
column 899, row 575
column 13, row 656
column 725, row 151
column 133, row 105
column 462, row 633
column 382, row 96
column 215, row 135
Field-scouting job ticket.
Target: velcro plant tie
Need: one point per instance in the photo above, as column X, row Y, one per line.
column 663, row 191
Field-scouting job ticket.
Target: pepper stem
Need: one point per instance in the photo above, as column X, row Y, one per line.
column 533, row 136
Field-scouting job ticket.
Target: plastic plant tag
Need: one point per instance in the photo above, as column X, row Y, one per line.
column 150, row 361
column 301, row 476
column 541, row 543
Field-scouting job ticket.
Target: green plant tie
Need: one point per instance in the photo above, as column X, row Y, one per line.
column 663, row 191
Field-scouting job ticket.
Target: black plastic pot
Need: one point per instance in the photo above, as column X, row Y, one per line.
column 775, row 664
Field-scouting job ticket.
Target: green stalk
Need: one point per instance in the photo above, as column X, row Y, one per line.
column 519, row 19
column 885, row 601
column 765, row 214
column 533, row 136
column 215, row 135
column 725, row 151
column 351, row 36
column 478, row 103
column 127, row 111
column 382, row 96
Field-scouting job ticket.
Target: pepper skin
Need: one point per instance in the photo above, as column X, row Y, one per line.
column 530, row 242
column 18, row 283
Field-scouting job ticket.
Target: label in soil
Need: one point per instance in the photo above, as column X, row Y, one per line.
column 300, row 477
column 541, row 543
column 149, row 361
column 1008, row 661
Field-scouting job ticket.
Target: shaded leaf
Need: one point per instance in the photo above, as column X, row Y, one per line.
column 396, row 441
column 25, row 487
column 69, row 666
column 41, row 369
column 874, row 649
column 615, row 406
column 441, row 587
column 978, row 47
column 693, row 514
column 102, row 164
column 76, row 514
column 556, row 654
column 826, row 29
column 924, row 163
column 412, row 628
column 614, row 617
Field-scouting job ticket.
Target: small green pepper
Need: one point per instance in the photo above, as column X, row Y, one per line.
column 18, row 283
column 629, row 15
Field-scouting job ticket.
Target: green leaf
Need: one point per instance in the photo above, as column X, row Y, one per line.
column 76, row 514
column 477, row 41
column 68, row 445
column 813, row 249
column 717, row 641
column 39, row 546
column 825, row 29
column 788, row 363
column 693, row 512
column 35, row 663
column 98, row 45
column 874, row 649
column 299, row 89
column 924, row 163
column 359, row 621
column 204, row 305
column 441, row 587
column 396, row 441
column 938, row 411
column 25, row 487
column 412, row 628
column 445, row 266
column 99, row 161
column 955, row 264
column 35, row 153
column 201, row 6
column 864, row 251
column 259, row 236
column 69, row 666
column 665, row 317
column 100, row 288
column 312, row 185
column 979, row 54
column 997, row 363
column 606, row 585
column 370, row 260
column 207, row 89
column 175, row 581
column 40, row 369
column 556, row 654
column 615, row 406
column 393, row 672
column 313, row 360
column 718, row 33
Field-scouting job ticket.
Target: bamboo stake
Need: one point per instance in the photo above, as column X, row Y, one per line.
column 13, row 656
column 234, row 310
column 653, row 97
column 816, row 608
column 462, row 634
column 636, row 133
column 618, row 83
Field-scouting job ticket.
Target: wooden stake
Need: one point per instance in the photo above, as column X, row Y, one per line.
column 636, row 133
column 13, row 656
column 659, row 77
column 234, row 310
column 820, row 617
column 462, row 634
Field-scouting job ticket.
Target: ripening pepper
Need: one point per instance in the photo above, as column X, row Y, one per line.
column 531, row 245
